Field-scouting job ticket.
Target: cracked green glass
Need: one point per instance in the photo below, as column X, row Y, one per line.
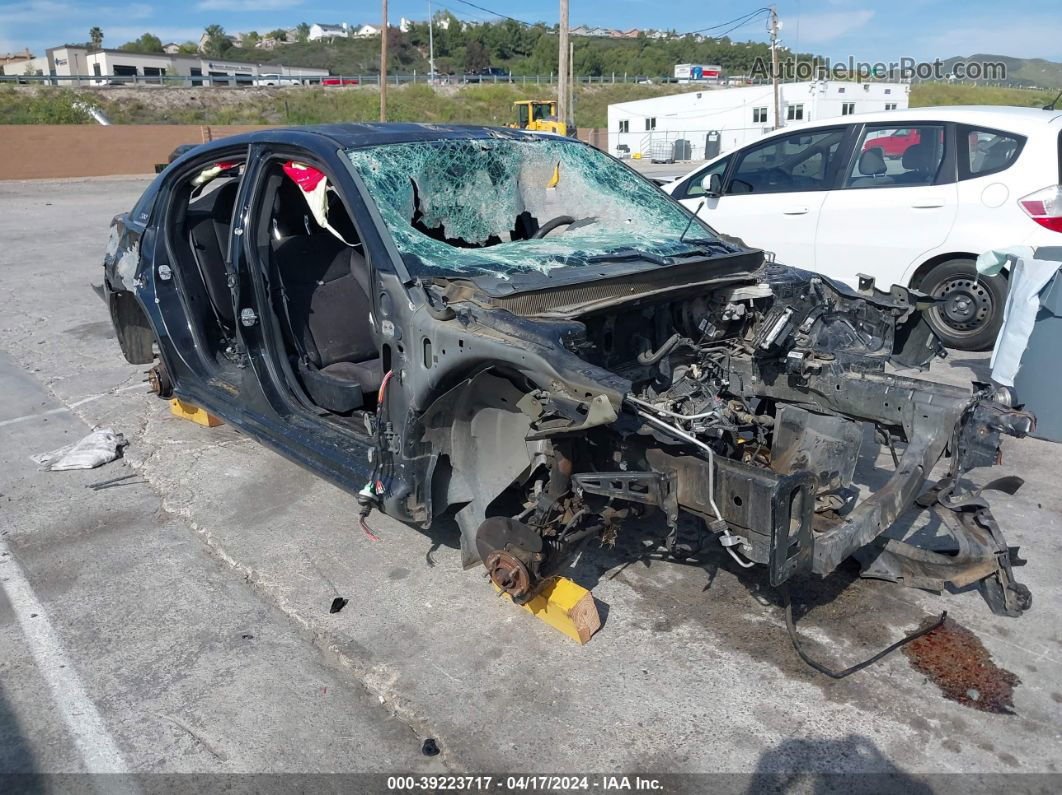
column 472, row 192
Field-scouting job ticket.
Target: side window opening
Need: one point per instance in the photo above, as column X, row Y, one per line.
column 799, row 162
column 987, row 151
column 891, row 156
column 199, row 228
column 322, row 294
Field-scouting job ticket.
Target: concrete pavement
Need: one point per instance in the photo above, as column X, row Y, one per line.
column 692, row 671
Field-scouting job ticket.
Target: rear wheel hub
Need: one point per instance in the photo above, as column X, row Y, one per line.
column 966, row 303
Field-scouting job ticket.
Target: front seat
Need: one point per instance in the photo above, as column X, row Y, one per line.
column 326, row 285
column 872, row 168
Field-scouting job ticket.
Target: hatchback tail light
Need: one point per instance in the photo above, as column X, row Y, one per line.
column 1045, row 207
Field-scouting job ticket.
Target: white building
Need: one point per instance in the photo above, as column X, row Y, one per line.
column 320, row 31
column 735, row 116
column 128, row 67
column 367, row 32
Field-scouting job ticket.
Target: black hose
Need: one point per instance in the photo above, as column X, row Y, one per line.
column 650, row 357
column 790, row 625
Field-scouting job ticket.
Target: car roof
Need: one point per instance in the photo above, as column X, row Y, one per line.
column 998, row 115
column 357, row 135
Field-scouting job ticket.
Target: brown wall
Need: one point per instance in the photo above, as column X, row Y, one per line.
column 37, row 151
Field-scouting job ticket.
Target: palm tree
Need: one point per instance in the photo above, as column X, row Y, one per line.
column 302, row 31
column 216, row 40
column 96, row 36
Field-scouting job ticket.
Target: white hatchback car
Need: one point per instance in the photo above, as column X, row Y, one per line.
column 909, row 197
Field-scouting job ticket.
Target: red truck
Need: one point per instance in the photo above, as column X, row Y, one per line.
column 894, row 145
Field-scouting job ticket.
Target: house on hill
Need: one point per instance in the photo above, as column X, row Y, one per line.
column 320, row 31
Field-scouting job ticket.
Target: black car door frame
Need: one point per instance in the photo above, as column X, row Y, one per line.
column 262, row 338
column 176, row 295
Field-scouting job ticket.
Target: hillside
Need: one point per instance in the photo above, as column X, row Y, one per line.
column 487, row 104
column 1032, row 72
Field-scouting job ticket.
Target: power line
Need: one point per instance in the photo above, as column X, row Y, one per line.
column 742, row 20
column 737, row 22
column 495, row 13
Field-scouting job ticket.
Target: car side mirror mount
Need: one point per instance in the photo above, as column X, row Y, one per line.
column 713, row 186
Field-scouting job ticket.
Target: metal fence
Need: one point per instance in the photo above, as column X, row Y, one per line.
column 260, row 80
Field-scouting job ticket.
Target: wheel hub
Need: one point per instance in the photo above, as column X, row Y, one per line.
column 966, row 303
column 508, row 573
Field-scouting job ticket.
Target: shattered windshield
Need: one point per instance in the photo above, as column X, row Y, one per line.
column 499, row 207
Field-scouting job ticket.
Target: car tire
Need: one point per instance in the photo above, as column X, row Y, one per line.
column 971, row 311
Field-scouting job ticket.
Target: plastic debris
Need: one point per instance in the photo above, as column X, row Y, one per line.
column 100, row 447
column 338, row 604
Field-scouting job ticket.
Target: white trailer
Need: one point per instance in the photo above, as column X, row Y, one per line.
column 714, row 120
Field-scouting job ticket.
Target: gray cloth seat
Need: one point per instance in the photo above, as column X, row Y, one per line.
column 326, row 286
column 871, row 166
column 919, row 163
column 207, row 222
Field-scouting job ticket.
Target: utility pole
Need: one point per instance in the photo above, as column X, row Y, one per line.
column 774, row 66
column 563, row 70
column 571, row 87
column 431, row 46
column 383, row 65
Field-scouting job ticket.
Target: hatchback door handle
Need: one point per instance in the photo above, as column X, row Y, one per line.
column 795, row 211
column 927, row 204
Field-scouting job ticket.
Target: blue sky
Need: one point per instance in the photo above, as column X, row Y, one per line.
column 886, row 31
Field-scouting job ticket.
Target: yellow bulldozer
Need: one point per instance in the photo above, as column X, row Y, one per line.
column 540, row 115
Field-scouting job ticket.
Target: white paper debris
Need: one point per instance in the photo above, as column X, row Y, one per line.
column 1028, row 278
column 99, row 447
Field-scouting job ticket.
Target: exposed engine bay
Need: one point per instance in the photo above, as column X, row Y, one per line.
column 746, row 406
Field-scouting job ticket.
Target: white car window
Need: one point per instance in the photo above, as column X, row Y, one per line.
column 798, row 162
column 891, row 156
column 989, row 151
column 694, row 187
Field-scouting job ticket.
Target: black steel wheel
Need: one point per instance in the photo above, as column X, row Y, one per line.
column 969, row 311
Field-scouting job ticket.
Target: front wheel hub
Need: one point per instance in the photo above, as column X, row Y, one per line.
column 508, row 573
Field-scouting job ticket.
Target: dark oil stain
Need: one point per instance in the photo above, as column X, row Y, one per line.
column 1007, row 759
column 951, row 745
column 956, row 661
column 398, row 574
column 1031, row 668
column 920, row 723
column 662, row 625
column 1057, row 698
column 101, row 329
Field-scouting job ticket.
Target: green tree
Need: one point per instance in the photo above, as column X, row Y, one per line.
column 476, row 56
column 278, row 35
column 188, row 48
column 251, row 39
column 96, row 36
column 217, row 41
column 147, row 44
column 302, row 32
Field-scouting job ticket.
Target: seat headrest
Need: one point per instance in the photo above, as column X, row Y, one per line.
column 872, row 162
column 997, row 155
column 918, row 157
column 289, row 209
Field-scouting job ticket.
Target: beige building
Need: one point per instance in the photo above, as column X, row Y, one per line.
column 110, row 67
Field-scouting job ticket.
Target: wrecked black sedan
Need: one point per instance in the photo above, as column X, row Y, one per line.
column 519, row 331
